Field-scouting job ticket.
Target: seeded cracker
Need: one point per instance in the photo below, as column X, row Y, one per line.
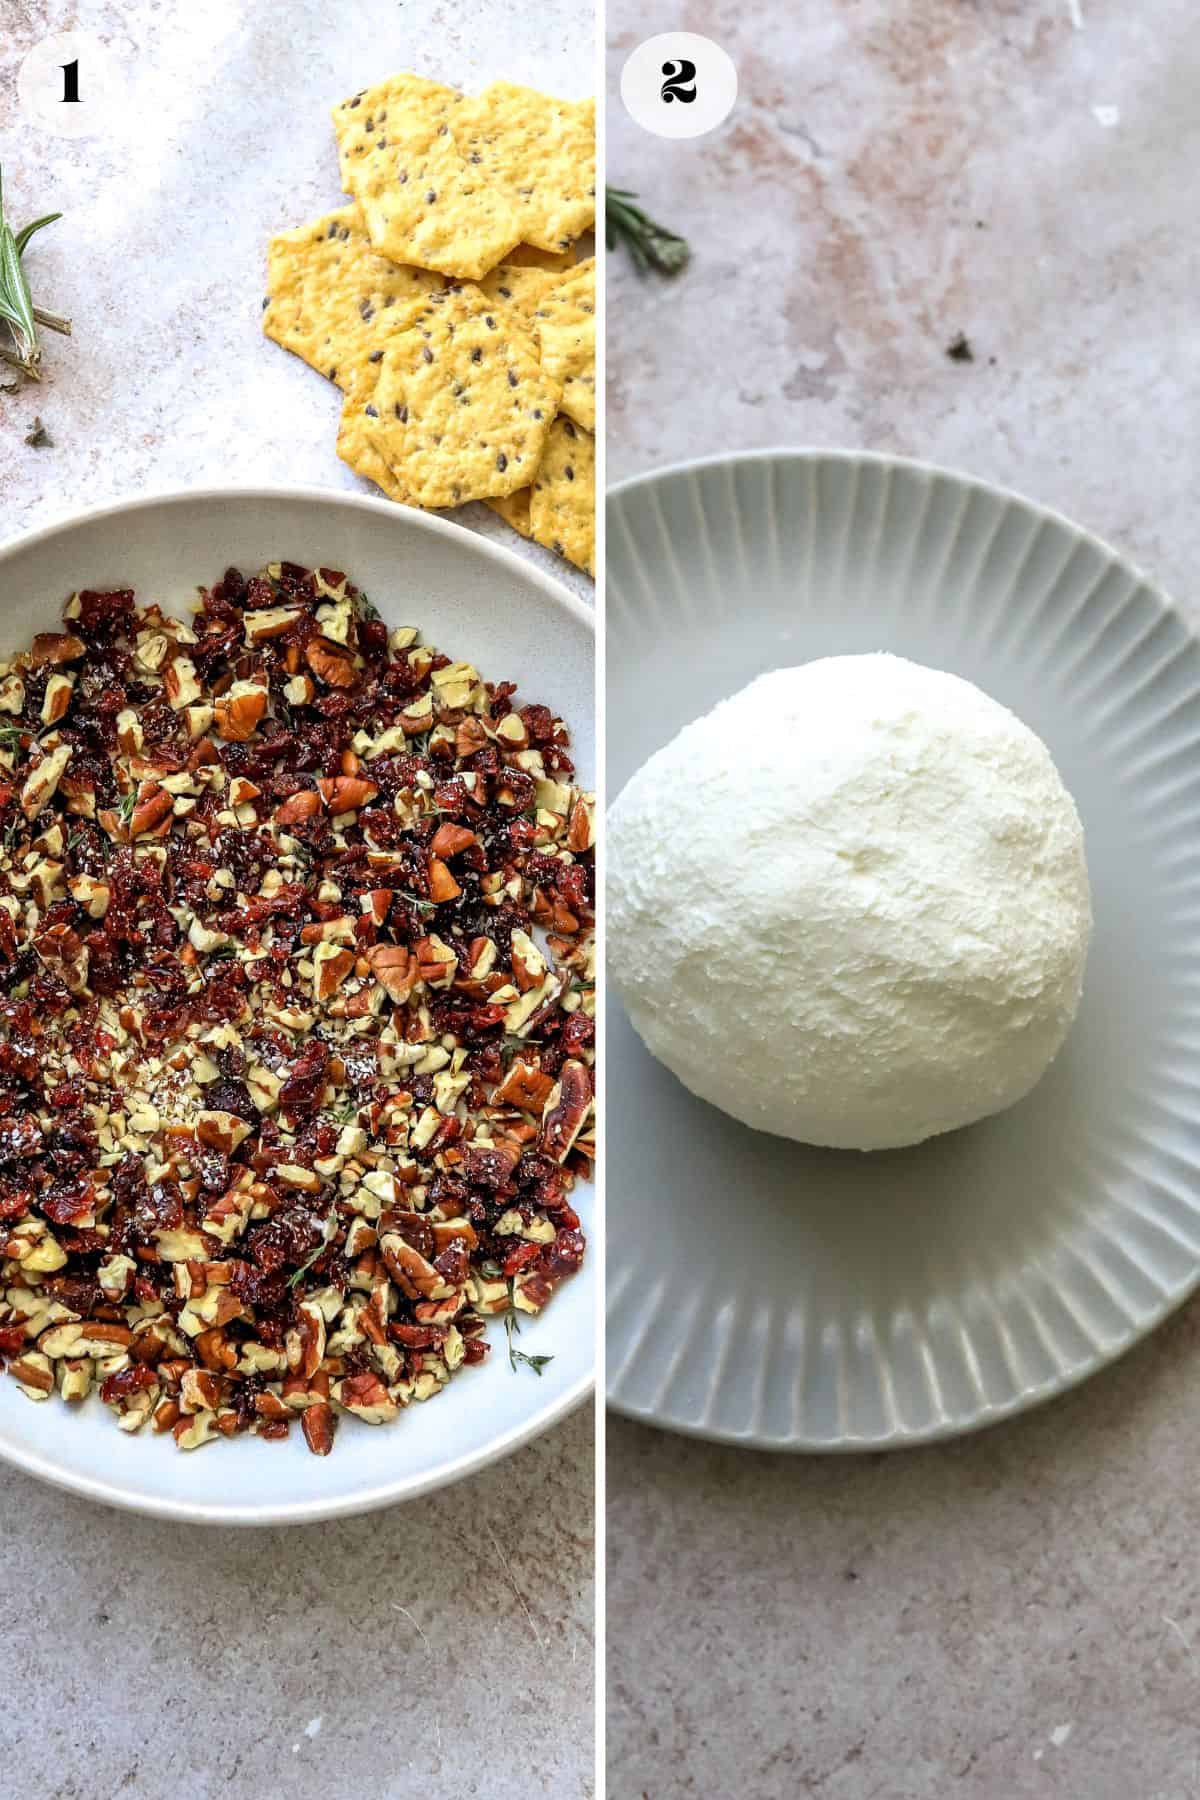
column 422, row 200
column 563, row 506
column 330, row 298
column 463, row 407
column 526, row 257
column 565, row 320
column 539, row 154
column 513, row 509
column 520, row 287
column 357, row 451
column 360, row 124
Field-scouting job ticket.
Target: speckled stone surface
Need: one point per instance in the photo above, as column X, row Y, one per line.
column 1015, row 1617
column 442, row 1648
column 160, row 261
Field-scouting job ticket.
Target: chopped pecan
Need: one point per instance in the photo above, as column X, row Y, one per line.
column 395, row 968
column 409, row 1269
column 304, row 805
column 317, row 1423
column 567, row 1106
column 153, row 806
column 449, row 839
column 367, row 1398
column 330, row 664
column 346, row 793
column 239, row 712
column 525, row 1086
column 442, row 885
column 271, row 1114
column 55, row 647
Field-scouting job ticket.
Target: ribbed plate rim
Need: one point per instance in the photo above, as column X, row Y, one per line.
column 1068, row 1376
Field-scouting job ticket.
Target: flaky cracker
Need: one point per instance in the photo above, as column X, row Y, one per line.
column 462, row 407
column 562, row 507
column 359, row 453
column 538, row 154
column 520, row 287
column 513, row 508
column 360, row 123
column 565, row 320
column 526, row 256
column 330, row 297
column 423, row 200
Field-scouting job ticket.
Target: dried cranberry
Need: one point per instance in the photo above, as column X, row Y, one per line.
column 417, row 1337
column 66, row 1201
column 564, row 1255
column 231, row 1097
column 82, row 1293
column 138, row 1378
column 19, row 1138
column 301, row 1092
column 101, row 615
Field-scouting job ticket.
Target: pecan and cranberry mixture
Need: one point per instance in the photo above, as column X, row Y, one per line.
column 297, row 1019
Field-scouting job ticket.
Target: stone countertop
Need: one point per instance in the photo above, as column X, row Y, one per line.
column 442, row 1648
column 445, row 1646
column 225, row 137
column 1015, row 1616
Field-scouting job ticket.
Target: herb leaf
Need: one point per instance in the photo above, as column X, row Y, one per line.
column 512, row 1326
column 16, row 303
column 651, row 246
column 22, row 237
column 328, row 1230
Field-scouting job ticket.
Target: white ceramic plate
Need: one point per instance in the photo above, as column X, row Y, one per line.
column 477, row 601
column 781, row 1296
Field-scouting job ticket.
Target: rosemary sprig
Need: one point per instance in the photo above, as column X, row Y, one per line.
column 651, row 246
column 16, row 303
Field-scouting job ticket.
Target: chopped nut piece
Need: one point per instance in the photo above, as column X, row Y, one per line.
column 222, row 1131
column 269, row 622
column 330, row 665
column 152, row 810
column 395, row 968
column 92, row 895
column 180, row 683
column 317, row 1423
column 275, row 1132
column 57, row 698
column 264, row 1086
column 42, row 782
column 129, row 731
column 55, row 647
column 190, row 1433
column 238, row 712
column 33, row 1374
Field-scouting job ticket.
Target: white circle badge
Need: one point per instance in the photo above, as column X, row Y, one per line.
column 679, row 85
column 71, row 85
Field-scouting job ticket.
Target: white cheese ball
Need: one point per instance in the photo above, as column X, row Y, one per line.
column 850, row 905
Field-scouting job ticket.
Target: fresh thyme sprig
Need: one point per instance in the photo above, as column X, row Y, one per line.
column 512, row 1326
column 328, row 1233
column 16, row 303
column 651, row 246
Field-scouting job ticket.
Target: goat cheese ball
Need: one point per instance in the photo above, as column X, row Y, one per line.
column 850, row 905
